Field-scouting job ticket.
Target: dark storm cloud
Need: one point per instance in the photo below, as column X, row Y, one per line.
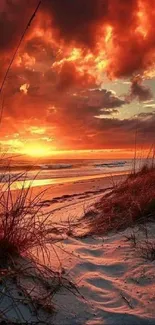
column 73, row 118
column 146, row 116
column 78, row 21
column 90, row 132
column 139, row 91
column 104, row 99
column 68, row 77
column 14, row 16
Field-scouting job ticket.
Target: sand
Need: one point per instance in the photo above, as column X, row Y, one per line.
column 116, row 285
column 73, row 198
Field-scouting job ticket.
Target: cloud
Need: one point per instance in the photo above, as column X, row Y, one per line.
column 104, row 99
column 146, row 116
column 57, row 74
column 116, row 37
column 14, row 16
column 105, row 133
column 150, row 106
column 69, row 77
column 122, row 30
column 139, row 91
column 73, row 127
column 37, row 130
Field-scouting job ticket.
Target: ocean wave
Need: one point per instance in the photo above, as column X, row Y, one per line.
column 56, row 166
column 111, row 164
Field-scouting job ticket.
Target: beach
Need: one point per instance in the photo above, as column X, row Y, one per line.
column 67, row 184
column 115, row 285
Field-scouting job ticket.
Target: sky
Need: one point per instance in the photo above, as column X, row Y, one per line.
column 82, row 83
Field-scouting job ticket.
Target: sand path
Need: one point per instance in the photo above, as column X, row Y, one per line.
column 116, row 284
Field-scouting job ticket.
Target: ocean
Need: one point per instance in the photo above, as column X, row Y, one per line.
column 49, row 171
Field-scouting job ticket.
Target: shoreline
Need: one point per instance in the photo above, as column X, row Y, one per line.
column 74, row 189
column 73, row 198
column 46, row 182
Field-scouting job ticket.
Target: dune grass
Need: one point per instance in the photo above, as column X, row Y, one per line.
column 23, row 225
column 27, row 236
column 131, row 202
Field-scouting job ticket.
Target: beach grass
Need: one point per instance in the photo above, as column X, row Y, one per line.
column 27, row 236
column 22, row 224
column 129, row 203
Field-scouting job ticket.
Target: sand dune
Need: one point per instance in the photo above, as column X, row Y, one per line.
column 117, row 286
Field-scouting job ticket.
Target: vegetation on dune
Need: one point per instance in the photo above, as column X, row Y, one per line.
column 131, row 202
column 22, row 224
column 27, row 236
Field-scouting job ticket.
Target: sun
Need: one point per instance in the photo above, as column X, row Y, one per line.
column 36, row 150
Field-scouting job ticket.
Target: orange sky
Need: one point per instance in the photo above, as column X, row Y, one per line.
column 82, row 81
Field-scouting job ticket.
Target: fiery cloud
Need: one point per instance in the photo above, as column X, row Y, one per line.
column 113, row 36
column 58, row 74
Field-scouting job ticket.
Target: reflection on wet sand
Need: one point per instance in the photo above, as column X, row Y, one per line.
column 17, row 185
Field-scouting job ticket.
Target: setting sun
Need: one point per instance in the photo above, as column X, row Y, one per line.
column 36, row 150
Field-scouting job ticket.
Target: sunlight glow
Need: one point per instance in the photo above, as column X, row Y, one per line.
column 36, row 150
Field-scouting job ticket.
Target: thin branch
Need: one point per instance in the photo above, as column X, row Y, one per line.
column 16, row 50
